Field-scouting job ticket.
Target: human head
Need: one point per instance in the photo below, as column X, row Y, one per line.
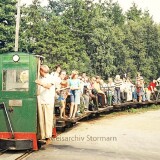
column 101, row 81
column 138, row 74
column 44, row 69
column 58, row 68
column 110, row 80
column 62, row 74
column 98, row 78
column 158, row 81
column 93, row 79
column 74, row 74
column 154, row 81
column 86, row 79
column 83, row 74
column 117, row 77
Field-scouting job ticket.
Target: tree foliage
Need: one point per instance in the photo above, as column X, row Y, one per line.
column 97, row 38
column 7, row 25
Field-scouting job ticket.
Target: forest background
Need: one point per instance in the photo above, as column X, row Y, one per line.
column 96, row 38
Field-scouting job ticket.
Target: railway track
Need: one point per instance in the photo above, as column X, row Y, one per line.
column 14, row 155
column 25, row 155
column 3, row 151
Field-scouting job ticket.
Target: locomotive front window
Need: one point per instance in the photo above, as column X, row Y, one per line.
column 15, row 80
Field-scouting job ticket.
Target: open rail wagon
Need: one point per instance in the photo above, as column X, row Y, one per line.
column 18, row 101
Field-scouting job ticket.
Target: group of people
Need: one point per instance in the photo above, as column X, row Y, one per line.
column 123, row 89
column 51, row 87
column 58, row 86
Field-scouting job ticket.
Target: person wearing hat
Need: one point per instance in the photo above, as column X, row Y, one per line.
column 45, row 98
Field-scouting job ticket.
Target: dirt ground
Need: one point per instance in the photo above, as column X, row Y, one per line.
column 126, row 137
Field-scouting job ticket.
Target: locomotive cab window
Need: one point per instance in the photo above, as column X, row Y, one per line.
column 15, row 80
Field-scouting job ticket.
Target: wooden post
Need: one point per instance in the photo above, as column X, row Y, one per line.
column 17, row 26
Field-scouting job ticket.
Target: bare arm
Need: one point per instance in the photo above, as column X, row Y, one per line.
column 44, row 85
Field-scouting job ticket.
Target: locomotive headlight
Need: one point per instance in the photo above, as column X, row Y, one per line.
column 16, row 58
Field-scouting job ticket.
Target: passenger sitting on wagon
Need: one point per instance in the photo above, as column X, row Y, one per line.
column 140, row 87
column 86, row 92
column 101, row 95
column 84, row 76
column 110, row 91
column 84, row 98
column 118, row 83
column 93, row 93
column 123, row 93
column 151, row 89
column 87, row 82
column 81, row 84
column 128, row 89
column 103, row 87
column 134, row 93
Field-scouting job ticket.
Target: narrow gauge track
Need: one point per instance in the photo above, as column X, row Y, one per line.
column 3, row 151
column 25, row 155
column 14, row 155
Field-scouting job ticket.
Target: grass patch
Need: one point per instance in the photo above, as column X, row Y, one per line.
column 143, row 109
column 130, row 111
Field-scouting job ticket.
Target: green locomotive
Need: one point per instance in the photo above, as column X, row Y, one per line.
column 18, row 100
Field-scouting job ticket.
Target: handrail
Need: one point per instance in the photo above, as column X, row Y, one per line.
column 9, row 122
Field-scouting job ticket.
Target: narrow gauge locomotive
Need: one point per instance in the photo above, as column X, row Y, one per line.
column 18, row 101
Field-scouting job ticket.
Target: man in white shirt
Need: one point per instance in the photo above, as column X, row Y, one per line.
column 45, row 103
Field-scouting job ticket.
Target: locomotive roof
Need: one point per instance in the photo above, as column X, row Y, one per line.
column 23, row 53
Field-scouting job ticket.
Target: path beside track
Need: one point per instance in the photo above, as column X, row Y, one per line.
column 126, row 137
